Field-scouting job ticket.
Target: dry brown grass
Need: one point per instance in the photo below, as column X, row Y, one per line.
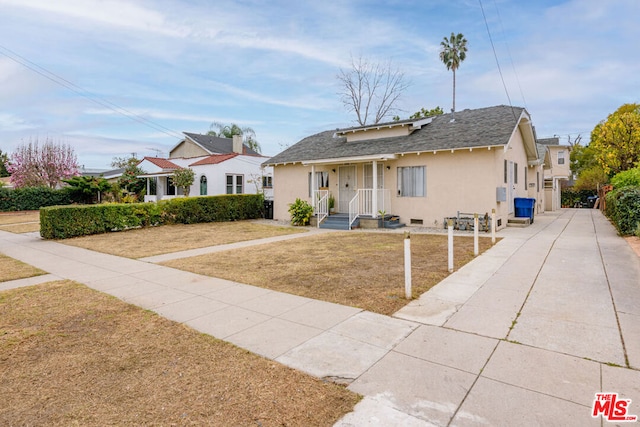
column 364, row 270
column 12, row 269
column 20, row 222
column 151, row 241
column 73, row 356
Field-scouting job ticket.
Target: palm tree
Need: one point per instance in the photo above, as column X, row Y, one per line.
column 227, row 131
column 453, row 51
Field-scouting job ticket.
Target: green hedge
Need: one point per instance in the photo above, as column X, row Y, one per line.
column 61, row 222
column 32, row 198
column 623, row 207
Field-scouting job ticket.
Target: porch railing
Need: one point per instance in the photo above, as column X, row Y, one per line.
column 321, row 204
column 363, row 203
column 368, row 206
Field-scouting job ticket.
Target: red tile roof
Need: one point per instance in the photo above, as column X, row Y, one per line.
column 162, row 163
column 214, row 159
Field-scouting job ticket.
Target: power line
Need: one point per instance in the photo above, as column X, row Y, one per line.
column 509, row 53
column 497, row 62
column 85, row 93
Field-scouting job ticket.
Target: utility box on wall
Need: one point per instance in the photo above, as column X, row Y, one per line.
column 501, row 194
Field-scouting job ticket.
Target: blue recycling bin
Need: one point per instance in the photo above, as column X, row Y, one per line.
column 525, row 207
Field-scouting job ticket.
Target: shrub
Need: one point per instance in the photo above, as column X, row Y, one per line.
column 628, row 178
column 301, row 212
column 623, row 207
column 32, row 198
column 61, row 222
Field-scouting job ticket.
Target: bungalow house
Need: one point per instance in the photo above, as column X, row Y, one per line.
column 221, row 166
column 557, row 170
column 421, row 170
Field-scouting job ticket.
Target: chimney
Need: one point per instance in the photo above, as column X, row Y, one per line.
column 237, row 144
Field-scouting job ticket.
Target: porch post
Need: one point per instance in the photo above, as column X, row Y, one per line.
column 148, row 186
column 374, row 193
column 314, row 188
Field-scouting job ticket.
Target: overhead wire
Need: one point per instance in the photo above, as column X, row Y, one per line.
column 85, row 93
column 524, row 101
column 497, row 62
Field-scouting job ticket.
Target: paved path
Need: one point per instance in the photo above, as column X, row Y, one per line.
column 525, row 334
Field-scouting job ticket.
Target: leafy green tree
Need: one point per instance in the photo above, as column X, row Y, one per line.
column 130, row 182
column 87, row 189
column 422, row 113
column 183, row 178
column 4, row 159
column 616, row 141
column 453, row 51
column 124, row 162
column 227, row 131
column 591, row 178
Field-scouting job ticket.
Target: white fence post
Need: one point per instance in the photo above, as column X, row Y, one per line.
column 450, row 245
column 493, row 226
column 407, row 265
column 475, row 235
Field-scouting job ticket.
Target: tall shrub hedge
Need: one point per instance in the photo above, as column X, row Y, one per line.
column 61, row 222
column 32, row 198
column 623, row 207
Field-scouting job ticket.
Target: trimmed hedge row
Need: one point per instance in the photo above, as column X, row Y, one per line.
column 623, row 207
column 62, row 222
column 32, row 198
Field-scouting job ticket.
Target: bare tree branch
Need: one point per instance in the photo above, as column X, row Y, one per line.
column 371, row 90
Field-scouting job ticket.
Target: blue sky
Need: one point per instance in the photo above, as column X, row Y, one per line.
column 272, row 65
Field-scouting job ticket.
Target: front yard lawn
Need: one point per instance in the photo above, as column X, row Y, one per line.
column 12, row 269
column 73, row 356
column 358, row 269
column 144, row 242
column 20, row 222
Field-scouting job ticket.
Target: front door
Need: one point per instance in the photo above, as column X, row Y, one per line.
column 346, row 187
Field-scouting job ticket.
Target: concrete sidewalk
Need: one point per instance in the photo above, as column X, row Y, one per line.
column 525, row 334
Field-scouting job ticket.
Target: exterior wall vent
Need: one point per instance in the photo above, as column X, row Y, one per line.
column 415, row 221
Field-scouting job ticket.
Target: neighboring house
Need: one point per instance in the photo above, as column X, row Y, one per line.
column 197, row 145
column 558, row 169
column 5, row 182
column 425, row 169
column 237, row 171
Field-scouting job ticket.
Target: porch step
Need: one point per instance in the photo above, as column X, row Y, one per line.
column 338, row 222
column 519, row 222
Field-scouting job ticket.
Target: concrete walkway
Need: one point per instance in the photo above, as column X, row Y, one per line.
column 525, row 334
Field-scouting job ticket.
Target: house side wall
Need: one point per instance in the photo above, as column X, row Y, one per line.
column 558, row 170
column 187, row 149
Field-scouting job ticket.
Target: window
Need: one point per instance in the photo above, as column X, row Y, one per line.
column 267, row 181
column 322, row 179
column 171, row 189
column 525, row 177
column 515, row 173
column 235, row 182
column 538, row 181
column 505, row 171
column 368, row 176
column 203, row 185
column 412, row 181
column 561, row 157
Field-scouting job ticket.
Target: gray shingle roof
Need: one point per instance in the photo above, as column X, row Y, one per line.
column 217, row 145
column 482, row 127
column 549, row 141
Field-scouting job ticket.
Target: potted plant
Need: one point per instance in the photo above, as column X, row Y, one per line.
column 381, row 218
column 332, row 204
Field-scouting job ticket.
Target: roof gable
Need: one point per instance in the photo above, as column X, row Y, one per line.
column 160, row 163
column 216, row 145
